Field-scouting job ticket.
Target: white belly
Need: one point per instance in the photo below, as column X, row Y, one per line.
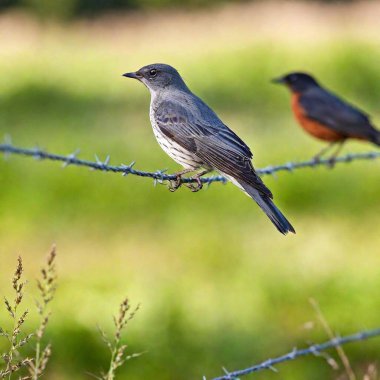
column 175, row 151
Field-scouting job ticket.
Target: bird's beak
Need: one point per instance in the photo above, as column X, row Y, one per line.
column 279, row 80
column 135, row 75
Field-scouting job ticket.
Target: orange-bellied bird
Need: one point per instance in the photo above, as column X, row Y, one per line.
column 326, row 116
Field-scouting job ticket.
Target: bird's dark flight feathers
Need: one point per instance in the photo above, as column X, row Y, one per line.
column 342, row 117
column 210, row 140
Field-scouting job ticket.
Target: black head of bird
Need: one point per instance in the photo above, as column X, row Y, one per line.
column 297, row 81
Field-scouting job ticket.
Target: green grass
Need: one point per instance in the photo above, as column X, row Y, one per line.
column 218, row 285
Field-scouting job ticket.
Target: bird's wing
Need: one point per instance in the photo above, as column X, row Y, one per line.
column 328, row 109
column 215, row 144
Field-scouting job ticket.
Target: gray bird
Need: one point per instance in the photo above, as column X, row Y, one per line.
column 192, row 135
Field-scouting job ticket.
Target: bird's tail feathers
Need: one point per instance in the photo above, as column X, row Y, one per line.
column 270, row 209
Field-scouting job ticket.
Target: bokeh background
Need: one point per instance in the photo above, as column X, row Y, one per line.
column 218, row 285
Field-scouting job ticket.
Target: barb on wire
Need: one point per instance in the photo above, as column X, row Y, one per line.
column 315, row 349
column 159, row 176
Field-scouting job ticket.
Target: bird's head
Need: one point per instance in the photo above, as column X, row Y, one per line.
column 158, row 77
column 297, row 81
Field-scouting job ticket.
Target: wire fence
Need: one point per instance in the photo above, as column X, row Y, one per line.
column 159, row 176
column 315, row 349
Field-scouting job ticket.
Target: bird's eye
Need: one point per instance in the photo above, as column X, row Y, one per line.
column 153, row 72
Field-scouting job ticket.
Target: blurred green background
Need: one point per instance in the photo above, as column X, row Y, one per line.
column 69, row 9
column 218, row 285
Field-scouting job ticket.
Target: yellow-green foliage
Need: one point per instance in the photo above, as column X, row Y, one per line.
column 218, row 285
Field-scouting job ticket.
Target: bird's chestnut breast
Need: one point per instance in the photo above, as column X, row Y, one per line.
column 311, row 126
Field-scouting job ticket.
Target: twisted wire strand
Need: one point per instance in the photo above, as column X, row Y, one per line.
column 315, row 349
column 158, row 176
column 72, row 159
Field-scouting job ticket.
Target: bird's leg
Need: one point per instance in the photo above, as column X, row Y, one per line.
column 333, row 157
column 319, row 155
column 175, row 184
column 197, row 178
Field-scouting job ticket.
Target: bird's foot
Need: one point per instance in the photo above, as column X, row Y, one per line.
column 175, row 184
column 197, row 179
column 197, row 187
column 331, row 162
column 334, row 157
column 318, row 157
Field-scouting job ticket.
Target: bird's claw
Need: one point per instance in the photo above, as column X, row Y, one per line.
column 175, row 184
column 331, row 162
column 197, row 187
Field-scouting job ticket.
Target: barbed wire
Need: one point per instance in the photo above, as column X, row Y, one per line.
column 315, row 349
column 159, row 176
